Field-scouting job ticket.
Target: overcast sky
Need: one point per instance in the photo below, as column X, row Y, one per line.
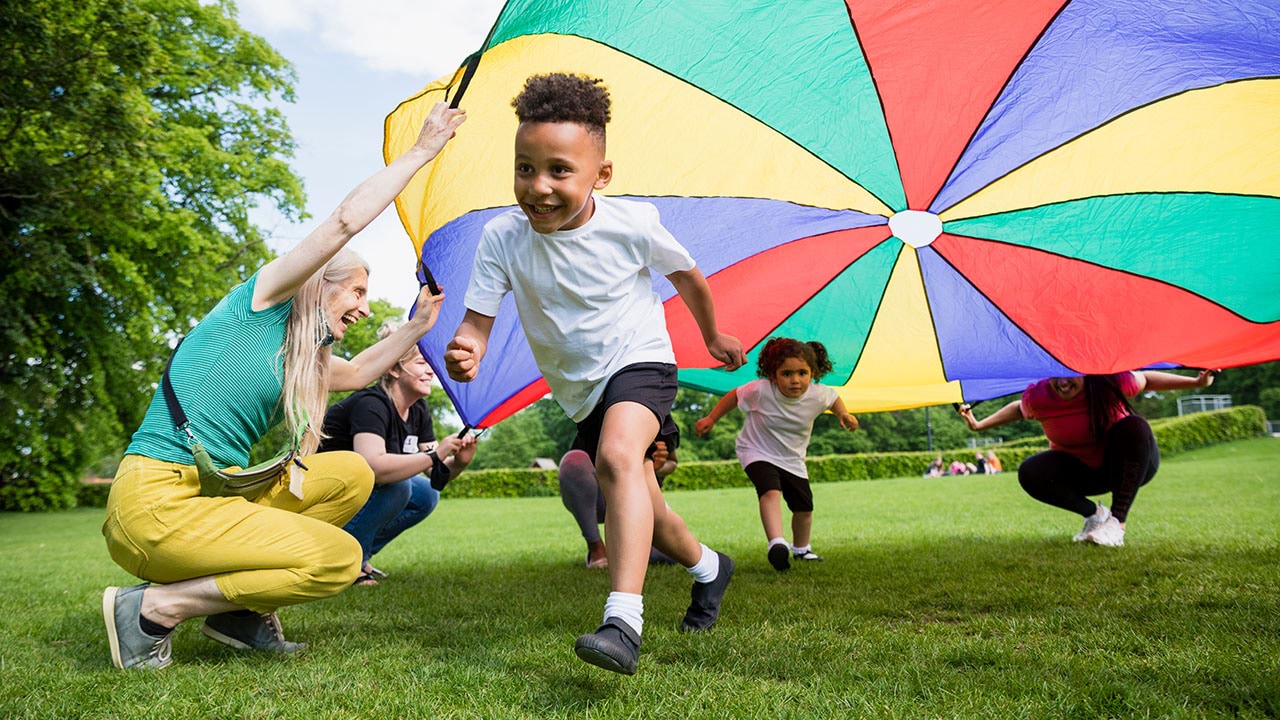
column 355, row 61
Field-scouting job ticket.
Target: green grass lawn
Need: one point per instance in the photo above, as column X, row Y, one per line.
column 942, row 597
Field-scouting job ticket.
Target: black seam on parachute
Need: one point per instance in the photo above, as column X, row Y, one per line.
column 681, row 80
column 707, row 197
column 879, row 304
column 994, row 304
column 1104, row 267
column 1095, row 128
column 827, row 284
column 1134, row 193
column 893, row 147
column 933, row 322
column 1013, row 71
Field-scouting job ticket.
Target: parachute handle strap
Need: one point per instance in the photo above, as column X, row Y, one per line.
column 424, row 273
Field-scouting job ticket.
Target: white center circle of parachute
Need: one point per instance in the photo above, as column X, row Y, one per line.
column 916, row 228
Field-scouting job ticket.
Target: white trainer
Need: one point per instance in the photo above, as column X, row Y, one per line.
column 1110, row 533
column 1098, row 517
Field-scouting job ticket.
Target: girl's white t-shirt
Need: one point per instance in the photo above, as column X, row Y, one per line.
column 777, row 428
column 585, row 296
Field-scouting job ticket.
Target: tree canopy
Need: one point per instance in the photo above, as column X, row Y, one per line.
column 138, row 135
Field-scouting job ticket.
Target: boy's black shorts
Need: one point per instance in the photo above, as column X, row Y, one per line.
column 651, row 384
column 795, row 489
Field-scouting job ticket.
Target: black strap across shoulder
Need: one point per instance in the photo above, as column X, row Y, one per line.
column 170, row 398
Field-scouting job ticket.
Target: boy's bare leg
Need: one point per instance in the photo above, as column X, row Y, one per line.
column 670, row 534
column 627, row 431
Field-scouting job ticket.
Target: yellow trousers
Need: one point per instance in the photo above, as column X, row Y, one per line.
column 263, row 554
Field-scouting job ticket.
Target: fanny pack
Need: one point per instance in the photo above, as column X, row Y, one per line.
column 247, row 483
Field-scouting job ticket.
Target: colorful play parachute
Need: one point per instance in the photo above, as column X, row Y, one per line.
column 954, row 196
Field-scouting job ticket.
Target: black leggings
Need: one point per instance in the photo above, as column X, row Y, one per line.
column 1130, row 459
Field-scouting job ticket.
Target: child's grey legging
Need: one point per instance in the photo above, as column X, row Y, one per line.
column 581, row 494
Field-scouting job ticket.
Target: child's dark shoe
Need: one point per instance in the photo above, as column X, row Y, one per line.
column 704, row 609
column 614, row 646
column 780, row 557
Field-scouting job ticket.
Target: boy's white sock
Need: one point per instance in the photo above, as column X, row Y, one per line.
column 778, row 541
column 627, row 607
column 707, row 568
column 801, row 550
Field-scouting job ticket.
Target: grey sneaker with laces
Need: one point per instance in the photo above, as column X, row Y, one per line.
column 130, row 646
column 244, row 631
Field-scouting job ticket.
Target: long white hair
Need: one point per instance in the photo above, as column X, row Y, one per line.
column 306, row 358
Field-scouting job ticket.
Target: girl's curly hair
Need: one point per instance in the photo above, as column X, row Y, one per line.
column 778, row 349
column 561, row 97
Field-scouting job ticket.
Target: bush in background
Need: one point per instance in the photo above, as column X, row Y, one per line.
column 1175, row 435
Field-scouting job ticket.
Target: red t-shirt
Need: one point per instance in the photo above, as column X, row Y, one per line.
column 1066, row 422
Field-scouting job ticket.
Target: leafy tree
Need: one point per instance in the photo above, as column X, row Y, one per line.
column 136, row 139
column 1246, row 385
column 540, row 430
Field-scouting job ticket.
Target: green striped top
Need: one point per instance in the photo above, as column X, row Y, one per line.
column 227, row 376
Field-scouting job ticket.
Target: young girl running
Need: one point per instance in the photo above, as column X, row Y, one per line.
column 780, row 410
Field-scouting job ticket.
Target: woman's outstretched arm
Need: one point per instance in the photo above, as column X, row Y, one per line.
column 279, row 279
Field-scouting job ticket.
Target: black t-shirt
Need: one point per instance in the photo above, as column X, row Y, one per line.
column 371, row 411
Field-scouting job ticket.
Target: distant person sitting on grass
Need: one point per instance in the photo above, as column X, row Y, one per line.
column 1098, row 444
column 936, row 468
column 580, row 266
column 389, row 424
column 993, row 463
column 580, row 493
column 263, row 352
column 780, row 409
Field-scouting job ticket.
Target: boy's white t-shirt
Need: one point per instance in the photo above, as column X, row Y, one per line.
column 777, row 428
column 585, row 296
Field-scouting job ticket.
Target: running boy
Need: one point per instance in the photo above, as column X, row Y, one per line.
column 579, row 266
column 780, row 410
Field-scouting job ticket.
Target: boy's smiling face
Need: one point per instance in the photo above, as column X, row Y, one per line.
column 558, row 165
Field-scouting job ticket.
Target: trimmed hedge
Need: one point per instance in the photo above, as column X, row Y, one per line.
column 1175, row 435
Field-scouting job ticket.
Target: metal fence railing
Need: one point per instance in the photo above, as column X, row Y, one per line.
column 1201, row 403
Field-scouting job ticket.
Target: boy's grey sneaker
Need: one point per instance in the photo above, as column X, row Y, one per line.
column 704, row 609
column 780, row 557
column 250, row 632
column 130, row 646
column 614, row 646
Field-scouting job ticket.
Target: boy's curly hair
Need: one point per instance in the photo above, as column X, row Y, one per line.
column 778, row 349
column 561, row 97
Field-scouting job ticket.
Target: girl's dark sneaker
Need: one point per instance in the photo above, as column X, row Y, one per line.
column 780, row 557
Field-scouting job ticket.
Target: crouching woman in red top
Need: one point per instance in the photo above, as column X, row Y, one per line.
column 1098, row 444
